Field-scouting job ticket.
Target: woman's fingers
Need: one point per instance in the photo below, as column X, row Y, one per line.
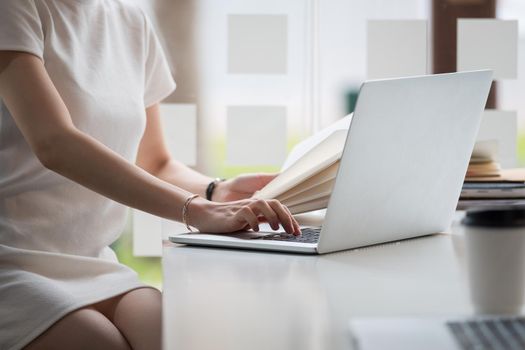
column 284, row 216
column 249, row 216
column 251, row 211
column 295, row 223
column 262, row 207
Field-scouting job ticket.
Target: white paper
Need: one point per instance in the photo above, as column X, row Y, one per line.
column 396, row 48
column 488, row 44
column 257, row 44
column 319, row 158
column 179, row 123
column 305, row 146
column 256, row 135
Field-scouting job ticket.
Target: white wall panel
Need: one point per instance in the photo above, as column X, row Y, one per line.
column 488, row 44
column 396, row 48
column 179, row 123
column 147, row 234
column 257, row 44
column 150, row 230
column 256, row 135
column 172, row 228
column 503, row 127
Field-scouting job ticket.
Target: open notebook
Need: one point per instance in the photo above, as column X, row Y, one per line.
column 308, row 174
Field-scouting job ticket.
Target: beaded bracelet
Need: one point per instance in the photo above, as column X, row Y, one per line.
column 185, row 211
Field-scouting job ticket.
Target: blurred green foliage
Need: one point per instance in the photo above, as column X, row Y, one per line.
column 149, row 269
column 520, row 152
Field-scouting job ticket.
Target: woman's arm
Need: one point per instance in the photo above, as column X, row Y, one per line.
column 44, row 120
column 154, row 157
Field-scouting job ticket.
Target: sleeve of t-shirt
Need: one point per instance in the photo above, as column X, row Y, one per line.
column 20, row 27
column 159, row 82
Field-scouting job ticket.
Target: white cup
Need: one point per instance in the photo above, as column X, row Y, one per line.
column 495, row 247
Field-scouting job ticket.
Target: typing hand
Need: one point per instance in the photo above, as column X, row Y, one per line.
column 227, row 217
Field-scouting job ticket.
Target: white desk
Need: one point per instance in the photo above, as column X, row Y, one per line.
column 230, row 299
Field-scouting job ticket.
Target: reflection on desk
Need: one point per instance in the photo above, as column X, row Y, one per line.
column 232, row 299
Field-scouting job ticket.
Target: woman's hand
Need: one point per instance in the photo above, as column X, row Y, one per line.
column 240, row 215
column 240, row 187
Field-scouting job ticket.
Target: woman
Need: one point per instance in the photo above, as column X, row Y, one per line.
column 80, row 83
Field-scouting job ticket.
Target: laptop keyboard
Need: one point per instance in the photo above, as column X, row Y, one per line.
column 308, row 235
column 493, row 333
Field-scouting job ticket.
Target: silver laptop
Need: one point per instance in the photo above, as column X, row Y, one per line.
column 474, row 333
column 401, row 171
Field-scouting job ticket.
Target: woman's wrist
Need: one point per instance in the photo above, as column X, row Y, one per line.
column 212, row 188
column 197, row 211
column 185, row 207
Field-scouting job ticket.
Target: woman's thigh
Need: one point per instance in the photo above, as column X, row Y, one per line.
column 85, row 328
column 138, row 316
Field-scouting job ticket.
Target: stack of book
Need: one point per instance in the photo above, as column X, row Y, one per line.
column 485, row 169
column 483, row 162
column 486, row 184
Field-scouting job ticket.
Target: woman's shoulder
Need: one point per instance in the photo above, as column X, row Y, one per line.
column 21, row 27
column 131, row 15
column 17, row 5
column 128, row 8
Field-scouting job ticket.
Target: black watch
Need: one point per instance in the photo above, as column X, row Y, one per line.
column 211, row 188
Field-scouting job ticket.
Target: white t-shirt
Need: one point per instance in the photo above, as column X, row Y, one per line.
column 108, row 66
